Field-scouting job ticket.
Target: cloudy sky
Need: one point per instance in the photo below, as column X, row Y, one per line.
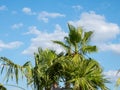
column 26, row 25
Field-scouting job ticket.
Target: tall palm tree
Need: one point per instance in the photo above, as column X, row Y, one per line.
column 77, row 42
column 83, row 73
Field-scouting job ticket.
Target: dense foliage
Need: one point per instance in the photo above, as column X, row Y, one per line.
column 73, row 67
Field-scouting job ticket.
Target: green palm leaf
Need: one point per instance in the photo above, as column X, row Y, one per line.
column 87, row 37
column 88, row 49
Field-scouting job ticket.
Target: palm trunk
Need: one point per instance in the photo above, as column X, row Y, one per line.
column 46, row 88
column 80, row 88
column 67, row 84
column 76, row 48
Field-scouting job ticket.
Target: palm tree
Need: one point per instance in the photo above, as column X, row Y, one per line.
column 77, row 42
column 79, row 71
column 42, row 75
column 37, row 76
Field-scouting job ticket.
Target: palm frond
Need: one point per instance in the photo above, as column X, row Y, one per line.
column 118, row 82
column 13, row 70
column 62, row 44
column 87, row 37
column 88, row 49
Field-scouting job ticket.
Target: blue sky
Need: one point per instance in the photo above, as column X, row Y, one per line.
column 26, row 25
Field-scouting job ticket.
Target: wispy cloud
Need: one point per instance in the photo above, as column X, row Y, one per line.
column 110, row 47
column 17, row 26
column 43, row 39
column 104, row 32
column 3, row 7
column 33, row 30
column 44, row 16
column 77, row 7
column 10, row 45
column 28, row 11
column 113, row 75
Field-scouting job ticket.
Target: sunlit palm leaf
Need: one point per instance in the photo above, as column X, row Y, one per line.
column 13, row 70
column 88, row 49
column 88, row 76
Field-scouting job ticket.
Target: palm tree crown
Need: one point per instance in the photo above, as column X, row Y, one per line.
column 77, row 41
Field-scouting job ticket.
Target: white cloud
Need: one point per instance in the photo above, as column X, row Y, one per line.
column 33, row 30
column 10, row 45
column 103, row 30
column 44, row 16
column 110, row 47
column 113, row 75
column 28, row 11
column 3, row 7
column 77, row 7
column 17, row 26
column 58, row 28
column 43, row 39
